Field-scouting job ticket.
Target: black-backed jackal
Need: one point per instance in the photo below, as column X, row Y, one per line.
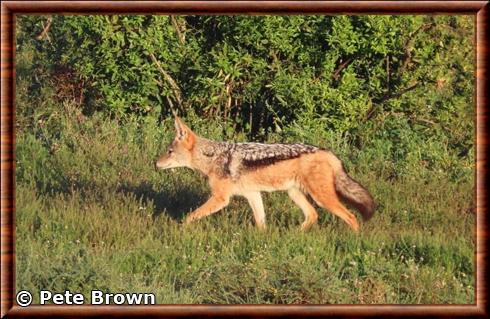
column 246, row 169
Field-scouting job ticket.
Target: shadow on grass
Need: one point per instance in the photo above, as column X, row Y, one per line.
column 176, row 204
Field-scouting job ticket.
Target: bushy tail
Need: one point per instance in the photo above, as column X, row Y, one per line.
column 354, row 194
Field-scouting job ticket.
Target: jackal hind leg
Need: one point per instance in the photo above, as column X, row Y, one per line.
column 309, row 211
column 323, row 193
column 255, row 201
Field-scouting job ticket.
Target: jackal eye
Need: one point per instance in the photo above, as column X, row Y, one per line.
column 170, row 151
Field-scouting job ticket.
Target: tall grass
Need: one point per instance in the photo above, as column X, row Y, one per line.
column 92, row 213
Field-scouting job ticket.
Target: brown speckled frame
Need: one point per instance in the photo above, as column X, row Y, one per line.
column 10, row 8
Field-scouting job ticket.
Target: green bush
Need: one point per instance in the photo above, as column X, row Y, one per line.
column 265, row 72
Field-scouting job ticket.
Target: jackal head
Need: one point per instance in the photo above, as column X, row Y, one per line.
column 179, row 152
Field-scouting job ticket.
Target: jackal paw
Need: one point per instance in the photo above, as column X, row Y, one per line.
column 355, row 227
column 305, row 227
column 189, row 219
column 307, row 224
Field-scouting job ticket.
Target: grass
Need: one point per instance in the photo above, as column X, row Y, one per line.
column 92, row 213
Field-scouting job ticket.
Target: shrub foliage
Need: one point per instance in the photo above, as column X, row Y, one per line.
column 264, row 72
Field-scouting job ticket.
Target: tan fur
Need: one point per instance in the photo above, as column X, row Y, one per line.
column 311, row 173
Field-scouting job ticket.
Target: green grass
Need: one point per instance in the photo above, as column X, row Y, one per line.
column 92, row 213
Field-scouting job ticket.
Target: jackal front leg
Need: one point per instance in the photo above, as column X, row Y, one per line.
column 255, row 201
column 214, row 204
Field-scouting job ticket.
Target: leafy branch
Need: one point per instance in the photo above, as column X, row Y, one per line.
column 170, row 80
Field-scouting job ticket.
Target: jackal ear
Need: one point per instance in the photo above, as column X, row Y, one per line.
column 184, row 134
column 182, row 131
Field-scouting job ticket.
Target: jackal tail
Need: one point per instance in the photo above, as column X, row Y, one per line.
column 354, row 194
